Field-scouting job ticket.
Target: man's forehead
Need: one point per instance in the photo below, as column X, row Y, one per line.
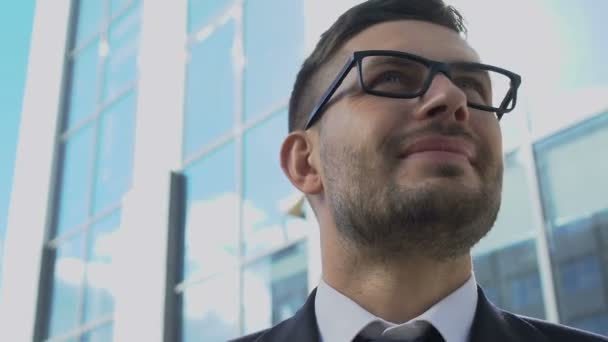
column 414, row 36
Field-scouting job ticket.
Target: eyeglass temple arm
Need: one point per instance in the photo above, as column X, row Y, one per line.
column 314, row 114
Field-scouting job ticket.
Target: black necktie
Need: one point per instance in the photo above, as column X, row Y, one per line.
column 430, row 335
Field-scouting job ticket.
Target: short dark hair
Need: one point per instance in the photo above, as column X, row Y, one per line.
column 305, row 92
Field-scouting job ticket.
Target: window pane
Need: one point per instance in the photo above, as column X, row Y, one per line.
column 573, row 184
column 275, row 287
column 75, row 180
column 273, row 55
column 84, row 84
column 570, row 168
column 200, row 12
column 101, row 334
column 67, row 285
column 90, row 15
column 101, row 275
column 515, row 221
column 510, row 278
column 209, row 89
column 211, row 237
column 121, row 66
column 265, row 186
column 117, row 5
column 210, row 310
column 505, row 260
column 115, row 152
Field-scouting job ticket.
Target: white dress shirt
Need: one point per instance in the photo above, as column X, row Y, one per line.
column 340, row 319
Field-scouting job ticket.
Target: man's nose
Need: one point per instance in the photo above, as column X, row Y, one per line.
column 443, row 97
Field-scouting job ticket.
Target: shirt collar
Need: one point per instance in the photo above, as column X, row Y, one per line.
column 340, row 319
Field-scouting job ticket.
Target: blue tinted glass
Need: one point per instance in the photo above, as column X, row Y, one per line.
column 115, row 152
column 275, row 287
column 273, row 55
column 515, row 219
column 209, row 89
column 84, row 86
column 90, row 16
column 581, row 275
column 569, row 168
column 210, row 310
column 597, row 324
column 510, row 277
column 211, row 236
column 75, row 180
column 265, row 186
column 101, row 334
column 116, row 6
column 583, row 25
column 121, row 66
column 200, row 12
column 525, row 292
column 100, row 272
column 67, row 283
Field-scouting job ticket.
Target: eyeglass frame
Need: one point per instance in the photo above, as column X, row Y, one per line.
column 435, row 67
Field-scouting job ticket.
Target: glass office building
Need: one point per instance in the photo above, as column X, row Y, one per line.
column 148, row 201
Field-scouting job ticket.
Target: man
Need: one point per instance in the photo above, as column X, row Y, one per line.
column 395, row 140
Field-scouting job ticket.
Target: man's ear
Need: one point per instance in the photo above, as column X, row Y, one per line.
column 297, row 162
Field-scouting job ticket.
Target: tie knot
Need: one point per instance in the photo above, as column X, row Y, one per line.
column 431, row 334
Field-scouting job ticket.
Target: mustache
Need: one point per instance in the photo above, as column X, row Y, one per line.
column 396, row 142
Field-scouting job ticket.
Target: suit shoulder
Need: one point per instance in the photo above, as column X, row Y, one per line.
column 251, row 337
column 558, row 332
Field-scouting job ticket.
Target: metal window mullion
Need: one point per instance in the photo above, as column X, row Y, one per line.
column 237, row 57
column 92, row 174
column 543, row 253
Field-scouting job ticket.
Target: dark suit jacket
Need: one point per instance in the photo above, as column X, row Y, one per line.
column 489, row 325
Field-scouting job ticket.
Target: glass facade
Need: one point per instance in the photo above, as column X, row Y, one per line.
column 246, row 252
column 97, row 146
column 244, row 259
column 573, row 184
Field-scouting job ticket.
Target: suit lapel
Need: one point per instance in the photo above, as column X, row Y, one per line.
column 302, row 327
column 492, row 324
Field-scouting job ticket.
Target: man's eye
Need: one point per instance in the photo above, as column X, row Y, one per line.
column 471, row 87
column 395, row 82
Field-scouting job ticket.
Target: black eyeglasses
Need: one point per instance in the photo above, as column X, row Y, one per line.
column 402, row 75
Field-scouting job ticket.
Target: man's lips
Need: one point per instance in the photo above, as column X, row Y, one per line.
column 438, row 143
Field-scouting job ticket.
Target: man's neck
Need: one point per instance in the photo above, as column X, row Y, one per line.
column 396, row 290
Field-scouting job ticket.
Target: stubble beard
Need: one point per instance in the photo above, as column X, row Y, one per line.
column 388, row 220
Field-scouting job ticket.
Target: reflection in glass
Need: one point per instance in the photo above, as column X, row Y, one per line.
column 100, row 275
column 84, row 84
column 67, row 284
column 573, row 185
column 121, row 66
column 275, row 287
column 90, row 14
column 210, row 88
column 265, row 186
column 211, row 235
column 118, row 5
column 101, row 334
column 569, row 168
column 505, row 260
column 115, row 152
column 210, row 310
column 273, row 55
column 201, row 12
column 511, row 279
column 75, row 180
column 515, row 221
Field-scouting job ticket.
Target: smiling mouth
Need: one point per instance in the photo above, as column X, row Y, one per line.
column 440, row 148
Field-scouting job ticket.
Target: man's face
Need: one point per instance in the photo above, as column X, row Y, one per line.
column 418, row 175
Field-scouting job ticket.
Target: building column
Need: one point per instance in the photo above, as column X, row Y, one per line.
column 33, row 185
column 142, row 258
